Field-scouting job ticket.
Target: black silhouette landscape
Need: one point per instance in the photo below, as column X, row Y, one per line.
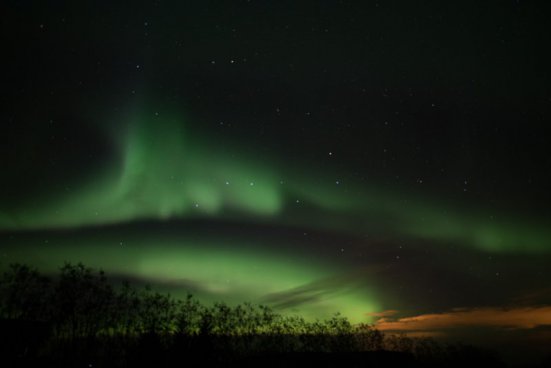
column 79, row 319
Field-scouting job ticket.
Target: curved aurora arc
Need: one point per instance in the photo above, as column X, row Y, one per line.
column 164, row 174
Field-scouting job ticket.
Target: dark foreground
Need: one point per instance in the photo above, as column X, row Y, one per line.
column 80, row 320
column 28, row 346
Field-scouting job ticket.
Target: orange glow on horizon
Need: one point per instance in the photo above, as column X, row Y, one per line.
column 517, row 318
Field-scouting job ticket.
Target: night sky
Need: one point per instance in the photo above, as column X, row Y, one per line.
column 385, row 160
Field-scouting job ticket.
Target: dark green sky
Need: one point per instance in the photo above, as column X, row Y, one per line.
column 366, row 157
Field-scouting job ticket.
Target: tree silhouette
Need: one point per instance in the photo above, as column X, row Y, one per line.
column 369, row 338
column 24, row 294
column 158, row 312
column 82, row 301
column 125, row 311
column 188, row 316
column 80, row 315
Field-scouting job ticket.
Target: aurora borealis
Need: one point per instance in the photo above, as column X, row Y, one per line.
column 162, row 176
column 388, row 162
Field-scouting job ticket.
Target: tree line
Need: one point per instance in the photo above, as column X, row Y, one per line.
column 80, row 308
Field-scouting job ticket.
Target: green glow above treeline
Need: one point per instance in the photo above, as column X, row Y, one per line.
column 236, row 272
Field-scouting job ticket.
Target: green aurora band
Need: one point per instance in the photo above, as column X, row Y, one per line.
column 234, row 273
column 163, row 174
